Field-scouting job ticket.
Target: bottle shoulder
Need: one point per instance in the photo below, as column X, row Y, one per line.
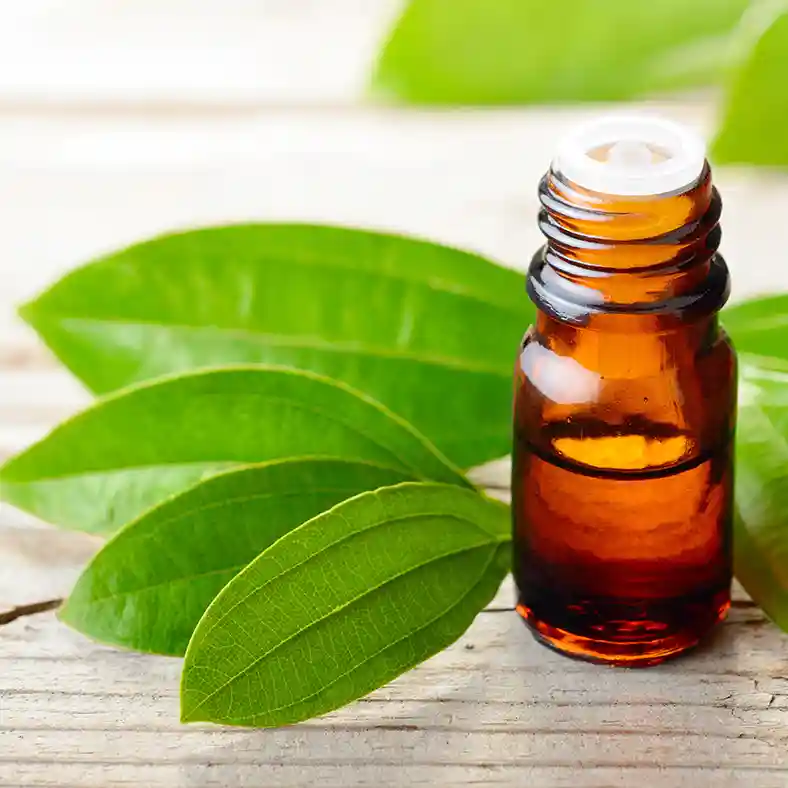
column 627, row 381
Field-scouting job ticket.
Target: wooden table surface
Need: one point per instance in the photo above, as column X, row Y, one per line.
column 118, row 121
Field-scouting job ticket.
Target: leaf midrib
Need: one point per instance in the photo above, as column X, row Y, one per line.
column 254, row 497
column 491, row 542
column 402, row 427
column 208, row 465
column 308, row 342
column 368, row 527
column 154, row 586
column 193, row 512
column 380, row 651
column 292, row 255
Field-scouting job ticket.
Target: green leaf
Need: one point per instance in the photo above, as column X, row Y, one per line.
column 531, row 51
column 761, row 530
column 132, row 450
column 178, row 556
column 430, row 332
column 344, row 604
column 759, row 326
column 756, row 106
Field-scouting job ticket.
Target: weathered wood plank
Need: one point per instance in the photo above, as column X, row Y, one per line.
column 747, row 650
column 308, row 746
column 97, row 774
column 495, row 699
column 138, row 712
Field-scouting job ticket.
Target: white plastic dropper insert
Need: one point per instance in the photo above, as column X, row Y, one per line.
column 631, row 156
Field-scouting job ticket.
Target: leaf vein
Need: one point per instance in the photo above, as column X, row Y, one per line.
column 330, row 614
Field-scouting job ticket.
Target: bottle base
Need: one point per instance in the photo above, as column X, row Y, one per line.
column 619, row 652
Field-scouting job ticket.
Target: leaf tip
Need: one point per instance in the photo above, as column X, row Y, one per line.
column 25, row 310
column 28, row 313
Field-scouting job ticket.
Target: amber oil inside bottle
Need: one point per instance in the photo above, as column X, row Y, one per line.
column 623, row 424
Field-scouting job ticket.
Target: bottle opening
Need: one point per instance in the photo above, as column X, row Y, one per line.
column 631, row 156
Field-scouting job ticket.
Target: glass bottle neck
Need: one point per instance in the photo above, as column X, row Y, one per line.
column 652, row 259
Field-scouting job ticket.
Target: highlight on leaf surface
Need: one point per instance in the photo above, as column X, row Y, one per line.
column 426, row 330
column 344, row 604
column 531, row 51
column 147, row 588
column 130, row 451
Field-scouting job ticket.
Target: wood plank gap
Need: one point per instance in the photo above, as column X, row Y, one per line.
column 199, row 760
column 580, row 704
column 509, row 729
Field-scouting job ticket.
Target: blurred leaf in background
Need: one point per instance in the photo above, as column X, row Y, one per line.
column 753, row 129
column 531, row 51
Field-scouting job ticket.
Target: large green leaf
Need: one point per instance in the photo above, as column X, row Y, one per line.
column 531, row 51
column 753, row 125
column 132, row 450
column 759, row 326
column 761, row 536
column 430, row 332
column 177, row 557
column 345, row 603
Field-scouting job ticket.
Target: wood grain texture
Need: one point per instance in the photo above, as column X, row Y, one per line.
column 494, row 709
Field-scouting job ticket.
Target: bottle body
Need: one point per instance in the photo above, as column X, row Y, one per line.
column 624, row 414
column 622, row 506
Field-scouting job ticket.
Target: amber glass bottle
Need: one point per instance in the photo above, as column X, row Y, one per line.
column 625, row 402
